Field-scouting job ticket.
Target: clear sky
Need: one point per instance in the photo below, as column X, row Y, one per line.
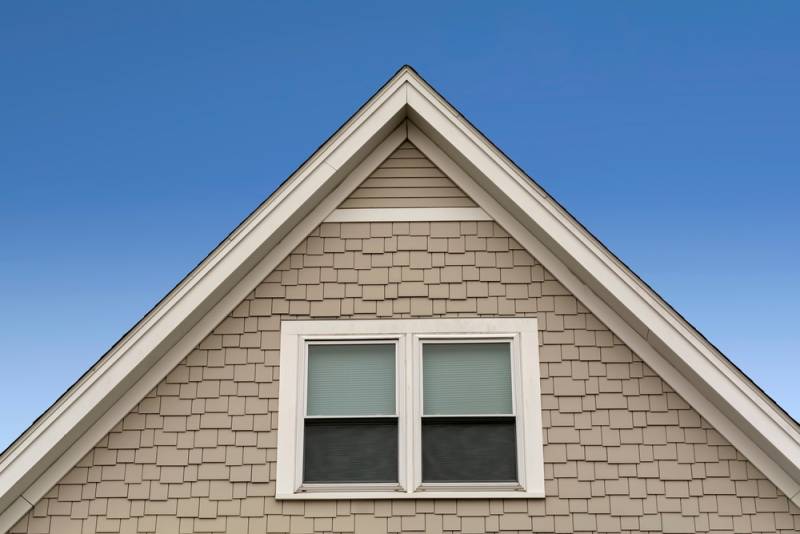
column 134, row 136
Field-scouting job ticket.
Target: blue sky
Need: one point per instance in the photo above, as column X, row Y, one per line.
column 135, row 136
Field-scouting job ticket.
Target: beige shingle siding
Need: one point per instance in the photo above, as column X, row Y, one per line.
column 407, row 179
column 623, row 452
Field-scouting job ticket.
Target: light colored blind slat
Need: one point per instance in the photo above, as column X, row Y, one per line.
column 466, row 378
column 351, row 379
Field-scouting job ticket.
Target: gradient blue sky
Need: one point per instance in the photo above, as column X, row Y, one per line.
column 134, row 136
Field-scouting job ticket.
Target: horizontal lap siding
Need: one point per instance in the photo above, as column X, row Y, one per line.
column 407, row 179
column 623, row 452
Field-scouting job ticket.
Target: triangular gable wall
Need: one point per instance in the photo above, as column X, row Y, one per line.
column 644, row 322
column 198, row 453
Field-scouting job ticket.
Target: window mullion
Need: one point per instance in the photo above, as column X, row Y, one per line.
column 409, row 350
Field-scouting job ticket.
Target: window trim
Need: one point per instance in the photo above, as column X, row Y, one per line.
column 410, row 334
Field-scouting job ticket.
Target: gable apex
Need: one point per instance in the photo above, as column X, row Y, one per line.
column 405, row 109
column 407, row 179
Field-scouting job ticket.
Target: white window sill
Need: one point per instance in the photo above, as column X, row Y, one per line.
column 460, row 494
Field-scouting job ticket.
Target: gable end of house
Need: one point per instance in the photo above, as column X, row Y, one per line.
column 407, row 212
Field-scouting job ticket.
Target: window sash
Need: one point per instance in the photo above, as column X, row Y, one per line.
column 329, row 434
column 471, row 341
column 465, row 465
column 375, row 427
column 343, row 403
column 514, row 353
column 399, row 371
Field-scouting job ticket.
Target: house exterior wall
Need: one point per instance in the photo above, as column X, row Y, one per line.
column 622, row 452
column 407, row 179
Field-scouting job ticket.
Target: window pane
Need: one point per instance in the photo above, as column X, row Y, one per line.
column 469, row 450
column 352, row 379
column 350, row 450
column 466, row 378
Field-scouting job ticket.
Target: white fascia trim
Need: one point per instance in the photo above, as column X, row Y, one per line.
column 66, row 433
column 638, row 343
column 407, row 214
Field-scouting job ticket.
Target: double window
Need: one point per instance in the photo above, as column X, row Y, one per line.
column 409, row 408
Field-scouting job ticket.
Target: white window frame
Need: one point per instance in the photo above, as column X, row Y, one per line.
column 409, row 335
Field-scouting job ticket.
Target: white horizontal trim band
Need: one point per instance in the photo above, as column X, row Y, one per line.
column 407, row 214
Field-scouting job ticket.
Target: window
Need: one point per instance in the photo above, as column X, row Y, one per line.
column 409, row 408
column 350, row 433
column 468, row 424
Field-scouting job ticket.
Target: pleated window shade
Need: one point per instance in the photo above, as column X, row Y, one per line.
column 466, row 378
column 351, row 379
